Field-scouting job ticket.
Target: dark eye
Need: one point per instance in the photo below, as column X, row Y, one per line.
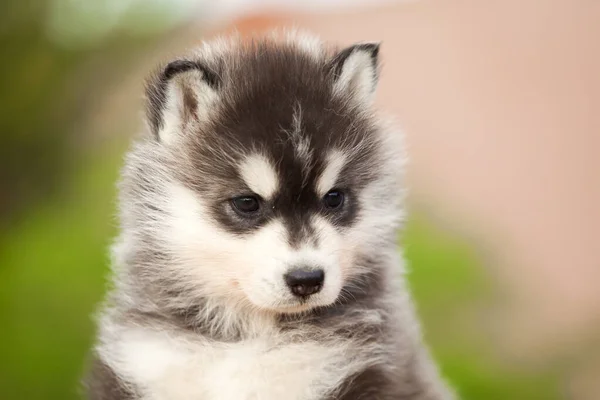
column 333, row 199
column 246, row 204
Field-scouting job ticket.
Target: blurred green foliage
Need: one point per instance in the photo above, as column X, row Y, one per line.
column 47, row 85
column 453, row 300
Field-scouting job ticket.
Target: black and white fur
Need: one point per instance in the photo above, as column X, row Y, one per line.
column 200, row 308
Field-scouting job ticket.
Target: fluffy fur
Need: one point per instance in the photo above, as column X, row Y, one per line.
column 200, row 308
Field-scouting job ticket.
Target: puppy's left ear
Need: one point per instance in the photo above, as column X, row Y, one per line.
column 179, row 94
column 356, row 71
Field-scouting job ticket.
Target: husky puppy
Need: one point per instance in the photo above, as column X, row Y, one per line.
column 257, row 256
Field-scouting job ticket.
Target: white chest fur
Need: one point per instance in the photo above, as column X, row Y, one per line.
column 166, row 367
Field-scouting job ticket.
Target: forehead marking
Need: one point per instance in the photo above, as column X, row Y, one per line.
column 301, row 144
column 334, row 163
column 260, row 175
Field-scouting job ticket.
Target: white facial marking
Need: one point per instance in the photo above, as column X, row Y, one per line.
column 264, row 282
column 248, row 269
column 184, row 207
column 334, row 164
column 260, row 175
column 301, row 144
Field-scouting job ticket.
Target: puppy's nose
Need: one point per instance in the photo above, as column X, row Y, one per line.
column 304, row 282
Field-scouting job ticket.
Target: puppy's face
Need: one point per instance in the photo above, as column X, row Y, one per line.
column 261, row 236
column 277, row 181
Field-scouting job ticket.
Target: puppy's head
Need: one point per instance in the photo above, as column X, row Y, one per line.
column 266, row 180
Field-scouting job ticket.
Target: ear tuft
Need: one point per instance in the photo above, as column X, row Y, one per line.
column 355, row 72
column 180, row 93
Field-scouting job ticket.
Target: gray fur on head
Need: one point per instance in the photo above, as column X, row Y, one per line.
column 202, row 305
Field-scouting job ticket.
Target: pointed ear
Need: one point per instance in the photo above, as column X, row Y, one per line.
column 355, row 72
column 180, row 94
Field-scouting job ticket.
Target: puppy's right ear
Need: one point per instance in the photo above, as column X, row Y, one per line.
column 178, row 95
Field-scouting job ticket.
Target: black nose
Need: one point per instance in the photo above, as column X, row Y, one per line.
column 304, row 282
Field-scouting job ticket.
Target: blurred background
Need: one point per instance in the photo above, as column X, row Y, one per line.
column 500, row 102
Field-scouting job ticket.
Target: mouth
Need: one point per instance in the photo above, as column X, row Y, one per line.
column 299, row 305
